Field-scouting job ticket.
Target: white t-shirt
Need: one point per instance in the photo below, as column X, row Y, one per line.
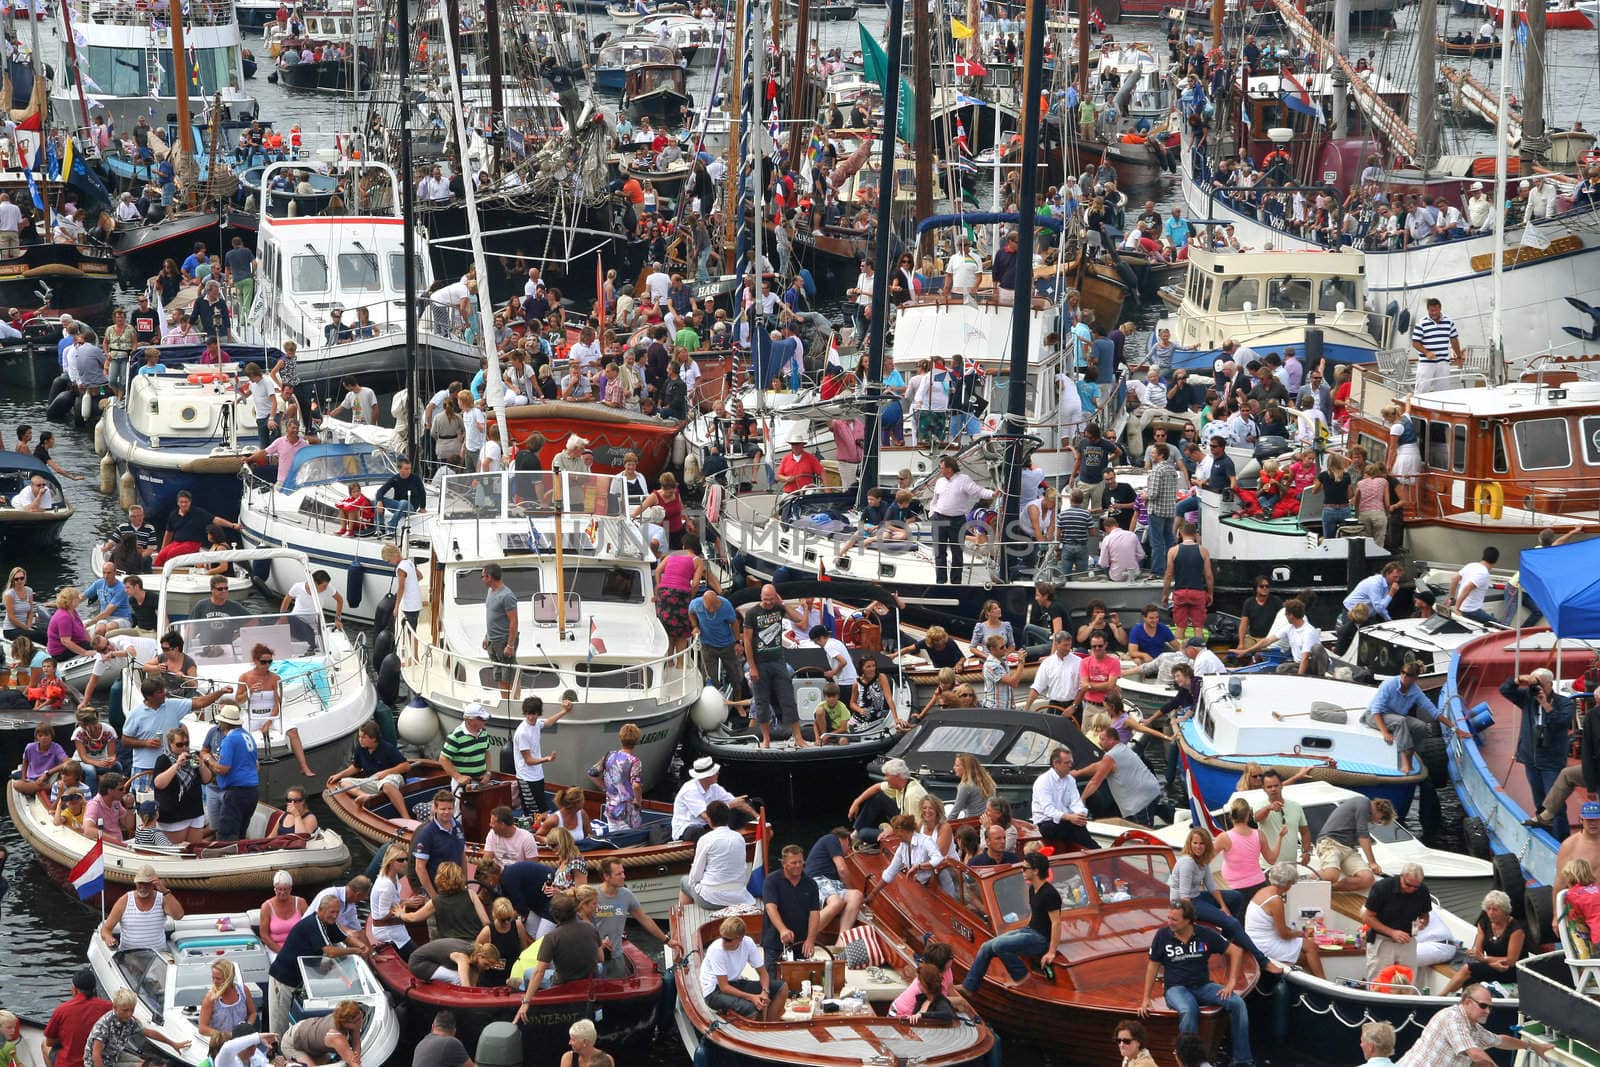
column 306, row 600
column 659, row 284
column 1474, row 586
column 144, row 650
column 363, row 404
column 477, row 424
column 490, row 457
column 526, row 739
column 584, row 355
column 834, row 649
column 262, row 394
column 719, row 962
column 963, row 270
column 1302, row 639
column 411, row 595
column 25, row 498
column 864, row 283
column 385, row 895
column 918, row 389
column 1207, row 663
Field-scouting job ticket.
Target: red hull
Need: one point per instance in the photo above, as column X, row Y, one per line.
column 1570, row 19
column 610, row 433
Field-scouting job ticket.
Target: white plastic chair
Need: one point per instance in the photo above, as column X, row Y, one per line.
column 1585, row 970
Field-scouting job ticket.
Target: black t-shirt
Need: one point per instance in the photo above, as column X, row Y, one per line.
column 146, row 326
column 181, row 799
column 819, row 861
column 308, row 938
column 1335, row 493
column 1396, row 908
column 1041, row 902
column 1094, row 457
column 1122, row 493
column 983, row 859
column 795, row 905
column 1258, row 617
column 190, row 527
column 1044, row 617
column 1186, row 963
column 948, row 656
column 572, row 949
column 766, row 627
column 381, row 758
column 144, row 611
column 523, row 884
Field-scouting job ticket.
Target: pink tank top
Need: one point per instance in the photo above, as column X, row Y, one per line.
column 678, row 572
column 279, row 927
column 1241, row 864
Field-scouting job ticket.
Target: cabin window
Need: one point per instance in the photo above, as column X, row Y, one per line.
column 523, row 581
column 1437, row 437
column 1237, row 292
column 1499, row 436
column 359, row 271
column 610, row 676
column 979, row 739
column 1377, row 450
column 1142, row 877
column 1542, row 444
column 1335, row 291
column 397, row 271
column 610, row 585
column 1011, row 899
column 308, row 273
column 1289, row 294
column 1458, row 449
column 1589, row 430
column 1204, row 297
column 1031, row 749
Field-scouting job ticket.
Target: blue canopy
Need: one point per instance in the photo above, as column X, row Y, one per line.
column 322, row 464
column 1564, row 581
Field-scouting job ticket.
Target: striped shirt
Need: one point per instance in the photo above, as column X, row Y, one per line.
column 1073, row 525
column 1161, row 489
column 1434, row 336
column 145, row 532
column 468, row 753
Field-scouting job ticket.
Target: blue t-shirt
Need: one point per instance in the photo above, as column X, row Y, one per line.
column 819, row 861
column 190, row 263
column 1151, row 645
column 716, row 629
column 113, row 596
column 1222, row 473
column 238, row 753
column 434, row 845
column 146, row 724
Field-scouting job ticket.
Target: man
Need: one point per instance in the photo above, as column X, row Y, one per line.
column 147, row 725
column 696, row 795
column 66, row 1035
column 111, row 594
column 799, row 469
column 1188, row 582
column 1093, row 455
column 725, row 960
column 825, row 865
column 994, row 852
column 1377, row 591
column 1100, row 672
column 1039, row 938
column 220, row 610
column 1161, row 496
column 10, row 225
column 186, row 530
column 1056, row 680
column 1223, row 477
column 1438, row 345
column 1345, row 840
column 1456, row 1037
column 1120, row 550
column 149, row 897
column 793, row 909
column 303, row 605
column 1003, row 270
column 1133, row 785
column 439, row 840
column 1398, row 704
column 1542, row 740
column 441, row 1048
column 316, row 934
column 507, row 842
column 401, row 495
column 106, row 815
column 1583, row 845
column 955, row 494
column 1470, row 585
column 897, row 794
column 136, row 527
column 1202, row 659
column 1181, row 953
column 616, row 905
column 350, row 896
column 1396, row 907
column 1046, row 618
column 375, row 766
column 1281, row 812
column 961, row 272
column 1151, row 638
column 771, row 677
column 1058, row 810
column 1073, row 526
column 500, row 627
column 1258, row 614
column 1307, row 657
column 240, row 264
column 716, row 624
column 465, row 755
column 717, row 877
column 280, row 451
column 1585, row 774
column 237, row 774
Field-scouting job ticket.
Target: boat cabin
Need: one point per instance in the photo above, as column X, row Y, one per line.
column 1314, row 718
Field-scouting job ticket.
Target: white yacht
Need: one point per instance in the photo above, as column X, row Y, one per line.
column 582, row 573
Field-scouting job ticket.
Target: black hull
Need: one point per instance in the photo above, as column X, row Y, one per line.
column 384, row 369
column 662, row 106
column 25, row 537
column 791, row 781
column 141, row 249
column 329, row 76
column 1316, row 1031
column 86, row 297
column 535, row 238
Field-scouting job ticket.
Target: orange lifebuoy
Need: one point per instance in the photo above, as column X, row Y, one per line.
column 1392, row 977
column 1134, row 138
column 205, row 378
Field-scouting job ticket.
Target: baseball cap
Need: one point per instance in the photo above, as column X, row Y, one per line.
column 476, row 711
column 1590, row 809
column 1196, row 642
column 1425, row 595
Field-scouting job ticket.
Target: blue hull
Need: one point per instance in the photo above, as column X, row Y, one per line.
column 610, row 79
column 1203, row 361
column 158, row 490
column 1218, row 784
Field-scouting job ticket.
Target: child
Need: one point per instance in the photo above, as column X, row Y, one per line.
column 1177, row 710
column 1270, row 486
column 69, row 778
column 41, row 758
column 356, row 512
column 50, row 692
column 1303, row 471
column 841, row 668
column 944, row 688
column 527, row 744
column 147, row 834
column 832, row 714
column 1000, row 674
column 95, row 744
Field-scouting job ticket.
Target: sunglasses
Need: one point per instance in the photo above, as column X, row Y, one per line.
column 1125, row 1041
column 178, row 744
column 297, row 800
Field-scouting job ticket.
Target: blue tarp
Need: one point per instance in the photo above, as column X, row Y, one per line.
column 1564, row 581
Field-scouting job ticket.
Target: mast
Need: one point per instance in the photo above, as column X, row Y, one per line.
column 758, row 123
column 797, row 109
column 880, row 250
column 730, row 195
column 1341, row 85
column 72, row 59
column 1218, row 8
column 1535, row 142
column 1085, row 8
column 921, row 31
column 1503, row 115
column 1022, row 304
column 180, row 82
column 408, row 233
column 1427, row 88
column 497, row 100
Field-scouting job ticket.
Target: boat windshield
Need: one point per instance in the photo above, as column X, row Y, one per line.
column 335, row 978
column 1140, row 876
column 1381, row 657
column 146, row 972
column 981, row 740
column 518, row 494
column 228, row 634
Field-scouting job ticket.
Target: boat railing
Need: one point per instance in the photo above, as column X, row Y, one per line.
column 151, row 14
column 386, row 318
column 312, row 516
column 1394, row 376
column 592, row 507
column 460, row 680
column 307, row 688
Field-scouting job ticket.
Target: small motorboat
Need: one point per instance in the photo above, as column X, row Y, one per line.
column 237, row 874
column 172, row 983
column 845, row 1020
column 247, row 59
column 657, row 90
column 1471, row 47
column 185, row 588
column 23, row 527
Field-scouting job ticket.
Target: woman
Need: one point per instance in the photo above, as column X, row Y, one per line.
column 938, row 955
column 173, row 666
column 620, row 774
column 1254, row 776
column 1502, row 940
column 315, row 1040
column 225, row 1005
column 997, row 812
column 388, row 890
column 25, row 617
column 934, row 826
column 119, row 343
column 929, row 278
column 1268, row 925
column 1191, row 880
column 873, row 699
column 1372, row 502
column 280, row 912
column 667, row 498
column 974, row 789
column 1130, row 1038
column 571, row 870
column 298, row 818
column 678, row 578
column 179, row 776
column 989, row 623
column 568, row 816
column 456, row 961
column 628, row 486
column 507, row 936
column 456, row 910
column 448, row 433
column 66, row 635
column 169, row 282
column 903, row 282
column 1405, row 449
column 581, row 1036
column 1335, row 482
column 126, row 557
column 1242, row 847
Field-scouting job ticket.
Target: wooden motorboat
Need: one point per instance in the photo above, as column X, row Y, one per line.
column 1113, row 901
column 623, row 1008
column 611, row 433
column 655, row 862
column 657, row 90
column 238, row 874
column 835, row 1028
column 1471, row 47
column 172, row 983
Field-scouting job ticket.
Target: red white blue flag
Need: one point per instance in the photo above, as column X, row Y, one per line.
column 89, row 876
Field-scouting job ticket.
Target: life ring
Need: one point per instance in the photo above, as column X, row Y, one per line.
column 1391, row 978
column 1138, row 837
column 205, row 378
column 1489, row 499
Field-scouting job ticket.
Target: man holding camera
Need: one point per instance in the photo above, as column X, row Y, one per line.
column 1542, row 741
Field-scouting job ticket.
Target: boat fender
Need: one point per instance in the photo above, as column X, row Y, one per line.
column 1281, row 1009
column 1509, row 879
column 86, row 408
column 1475, row 836
column 389, row 679
column 261, row 570
column 60, row 404
column 710, row 711
column 1391, row 978
column 385, row 610
column 273, row 77
column 996, row 1058
column 100, row 442
column 127, row 490
column 355, row 580
column 1403, row 323
column 419, row 723
column 1392, row 309
column 108, row 475
column 383, row 644
column 1538, row 908
column 1489, row 499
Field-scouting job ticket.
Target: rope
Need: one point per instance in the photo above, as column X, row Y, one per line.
column 1366, row 1016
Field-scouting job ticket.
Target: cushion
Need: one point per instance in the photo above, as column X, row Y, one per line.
column 863, row 948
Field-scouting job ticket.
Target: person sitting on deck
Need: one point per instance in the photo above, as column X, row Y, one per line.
column 725, row 960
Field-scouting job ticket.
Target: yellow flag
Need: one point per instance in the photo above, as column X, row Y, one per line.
column 66, row 158
column 959, row 30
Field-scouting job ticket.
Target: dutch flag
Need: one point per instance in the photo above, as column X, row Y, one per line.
column 89, row 876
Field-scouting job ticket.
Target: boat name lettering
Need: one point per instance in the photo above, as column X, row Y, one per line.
column 961, row 929
column 651, row 738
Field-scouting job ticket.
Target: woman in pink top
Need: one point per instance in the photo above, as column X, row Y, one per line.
column 66, row 634
column 280, row 911
column 1241, row 847
column 1372, row 502
column 678, row 575
column 937, row 953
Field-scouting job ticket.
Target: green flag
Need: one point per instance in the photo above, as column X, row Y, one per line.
column 876, row 63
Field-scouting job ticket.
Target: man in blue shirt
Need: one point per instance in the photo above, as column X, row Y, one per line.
column 1176, row 229
column 146, row 726
column 1398, row 702
column 1377, row 591
column 112, row 596
column 438, row 840
column 1181, row 952
column 237, row 773
column 717, row 625
column 192, row 262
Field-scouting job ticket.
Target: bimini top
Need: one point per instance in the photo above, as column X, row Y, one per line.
column 337, row 463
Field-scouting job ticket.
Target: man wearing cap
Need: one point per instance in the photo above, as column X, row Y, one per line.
column 141, row 915
column 695, row 795
column 1583, row 845
column 799, row 469
column 237, row 774
column 1480, row 214
column 465, row 755
column 1542, row 739
column 66, row 1035
column 1203, row 660
column 771, row 688
column 897, row 794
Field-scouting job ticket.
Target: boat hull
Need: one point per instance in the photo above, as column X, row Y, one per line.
column 611, row 433
column 1204, row 361
column 328, row 76
column 1217, row 779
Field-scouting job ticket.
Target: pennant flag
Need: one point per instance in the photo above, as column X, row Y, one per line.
column 1522, row 33
column 1533, row 237
column 89, row 876
column 33, row 190
column 960, row 30
column 876, row 63
column 592, row 529
column 1296, row 99
column 963, row 100
column 970, row 68
column 66, row 157
column 596, row 644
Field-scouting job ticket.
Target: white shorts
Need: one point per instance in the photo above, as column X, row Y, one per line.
column 374, row 786
column 447, row 975
column 196, row 823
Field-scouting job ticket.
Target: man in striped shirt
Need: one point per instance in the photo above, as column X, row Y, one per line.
column 1438, row 345
column 1073, row 526
column 465, row 755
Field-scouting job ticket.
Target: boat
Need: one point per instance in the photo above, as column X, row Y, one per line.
column 351, row 260
column 1290, row 722
column 345, row 27
column 623, row 1009
column 1558, row 1003
column 186, row 588
column 655, row 862
column 21, row 528
column 171, row 983
column 656, row 90
column 185, row 428
column 825, row 10
column 611, row 432
column 343, row 74
column 611, row 63
column 1381, row 648
column 583, row 577
column 1113, row 901
column 234, row 875
column 1560, row 17
column 696, row 41
column 1268, row 301
column 1471, row 47
column 845, row 1020
column 254, row 15
column 630, row 15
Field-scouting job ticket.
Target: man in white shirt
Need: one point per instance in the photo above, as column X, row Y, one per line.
column 127, row 211
column 1306, row 655
column 1058, row 810
column 1056, row 680
column 955, row 494
column 1541, row 198
column 457, row 297
column 585, row 352
column 1480, row 216
column 718, row 876
column 10, row 223
column 1202, row 658
column 35, row 496
column 961, row 272
column 112, row 653
column 434, row 186
column 535, row 284
column 695, row 795
column 659, row 283
column 725, row 960
column 1472, row 584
